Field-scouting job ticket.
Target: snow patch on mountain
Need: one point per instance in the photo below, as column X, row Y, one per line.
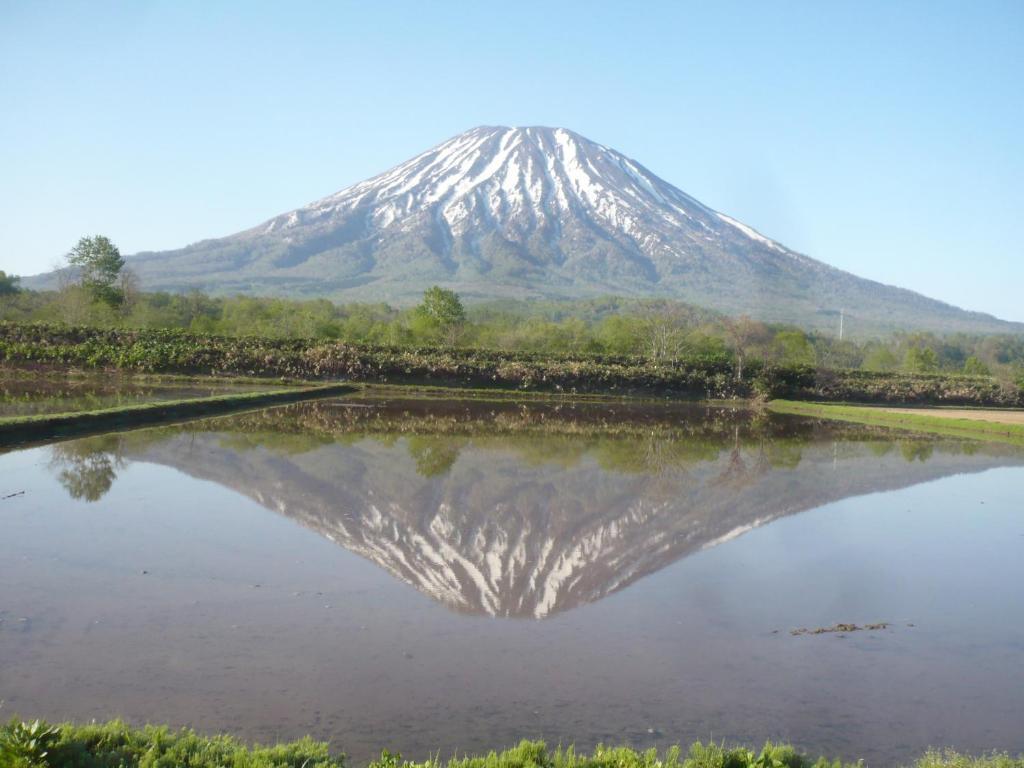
column 521, row 179
column 753, row 235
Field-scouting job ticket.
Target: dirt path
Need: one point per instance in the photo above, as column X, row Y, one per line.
column 994, row 416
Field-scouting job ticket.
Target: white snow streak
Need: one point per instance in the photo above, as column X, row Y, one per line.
column 752, row 234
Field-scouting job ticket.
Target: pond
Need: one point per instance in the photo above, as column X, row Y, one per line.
column 430, row 575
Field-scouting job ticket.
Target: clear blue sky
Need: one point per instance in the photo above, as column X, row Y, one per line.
column 884, row 138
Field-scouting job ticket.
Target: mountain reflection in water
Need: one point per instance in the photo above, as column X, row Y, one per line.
column 527, row 510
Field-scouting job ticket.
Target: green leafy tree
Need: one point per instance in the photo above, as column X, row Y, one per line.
column 974, row 367
column 792, row 347
column 98, row 263
column 619, row 334
column 704, row 343
column 880, row 358
column 8, row 284
column 921, row 360
column 440, row 316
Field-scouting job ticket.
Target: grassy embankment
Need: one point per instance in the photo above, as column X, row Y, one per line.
column 713, row 377
column 20, row 429
column 115, row 744
column 925, row 421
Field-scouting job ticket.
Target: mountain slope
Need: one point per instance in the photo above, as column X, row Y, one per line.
column 537, row 212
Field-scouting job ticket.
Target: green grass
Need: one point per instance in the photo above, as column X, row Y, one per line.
column 39, row 427
column 118, row 745
column 1012, row 434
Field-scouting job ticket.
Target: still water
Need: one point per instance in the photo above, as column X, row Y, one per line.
column 440, row 575
column 43, row 394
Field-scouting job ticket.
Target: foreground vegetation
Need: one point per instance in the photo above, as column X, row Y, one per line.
column 98, row 290
column 917, row 422
column 610, row 345
column 656, row 329
column 711, row 376
column 118, row 745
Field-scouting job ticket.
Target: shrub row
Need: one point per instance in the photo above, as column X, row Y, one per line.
column 920, row 388
column 181, row 352
column 175, row 351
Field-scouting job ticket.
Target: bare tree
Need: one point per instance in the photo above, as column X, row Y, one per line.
column 129, row 287
column 73, row 303
column 742, row 333
column 663, row 328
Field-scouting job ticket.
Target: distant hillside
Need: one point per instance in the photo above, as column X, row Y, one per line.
column 538, row 212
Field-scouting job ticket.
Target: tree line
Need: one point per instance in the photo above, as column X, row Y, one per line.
column 97, row 289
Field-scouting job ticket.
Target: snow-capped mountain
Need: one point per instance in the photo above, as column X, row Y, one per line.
column 536, row 212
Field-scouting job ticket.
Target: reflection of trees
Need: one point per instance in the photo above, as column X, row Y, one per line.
column 880, row 447
column 87, row 468
column 629, row 438
column 285, row 443
column 763, row 463
column 778, row 453
column 655, row 453
column 916, row 450
column 657, row 450
column 434, row 455
column 735, row 472
column 785, row 454
column 565, row 451
column 634, row 439
column 625, row 437
column 48, row 394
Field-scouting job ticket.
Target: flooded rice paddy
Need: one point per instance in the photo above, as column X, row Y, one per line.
column 28, row 396
column 437, row 575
